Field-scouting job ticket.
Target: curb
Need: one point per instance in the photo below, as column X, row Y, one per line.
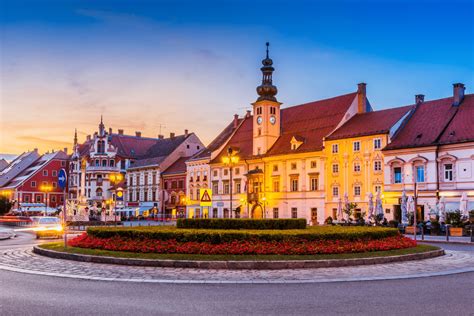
column 238, row 265
column 446, row 242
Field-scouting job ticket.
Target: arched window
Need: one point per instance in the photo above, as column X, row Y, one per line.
column 98, row 192
column 100, row 146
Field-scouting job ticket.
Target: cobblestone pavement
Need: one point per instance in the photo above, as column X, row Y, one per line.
column 25, row 261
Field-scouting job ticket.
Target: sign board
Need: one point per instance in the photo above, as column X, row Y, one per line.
column 205, row 197
column 119, row 195
column 62, row 178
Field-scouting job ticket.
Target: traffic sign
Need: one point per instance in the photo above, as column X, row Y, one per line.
column 205, row 197
column 62, row 177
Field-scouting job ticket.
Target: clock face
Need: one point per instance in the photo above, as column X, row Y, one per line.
column 273, row 120
column 259, row 120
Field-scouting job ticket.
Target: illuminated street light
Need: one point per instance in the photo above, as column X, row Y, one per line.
column 115, row 178
column 46, row 188
column 230, row 160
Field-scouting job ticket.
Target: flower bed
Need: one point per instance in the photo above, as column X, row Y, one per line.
column 241, row 223
column 216, row 236
column 242, row 247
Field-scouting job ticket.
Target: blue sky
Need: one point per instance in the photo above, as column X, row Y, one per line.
column 146, row 63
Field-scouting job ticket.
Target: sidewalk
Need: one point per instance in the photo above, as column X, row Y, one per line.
column 442, row 239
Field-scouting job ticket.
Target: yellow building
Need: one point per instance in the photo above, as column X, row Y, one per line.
column 354, row 161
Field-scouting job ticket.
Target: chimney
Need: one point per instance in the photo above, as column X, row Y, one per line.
column 458, row 93
column 36, row 149
column 419, row 98
column 138, row 134
column 236, row 120
column 110, row 130
column 247, row 115
column 171, row 135
column 120, row 131
column 361, row 98
column 88, row 137
column 186, row 132
column 65, row 150
column 160, row 136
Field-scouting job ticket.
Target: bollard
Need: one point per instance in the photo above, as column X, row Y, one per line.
column 447, row 232
column 422, row 232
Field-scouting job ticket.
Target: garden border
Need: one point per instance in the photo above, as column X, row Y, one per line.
column 238, row 265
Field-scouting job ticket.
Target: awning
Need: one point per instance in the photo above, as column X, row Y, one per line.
column 140, row 209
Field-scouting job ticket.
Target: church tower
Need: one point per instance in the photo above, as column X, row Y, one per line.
column 266, row 111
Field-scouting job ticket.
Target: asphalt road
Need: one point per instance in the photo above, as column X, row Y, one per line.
column 22, row 294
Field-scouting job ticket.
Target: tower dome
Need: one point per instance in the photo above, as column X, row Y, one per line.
column 267, row 90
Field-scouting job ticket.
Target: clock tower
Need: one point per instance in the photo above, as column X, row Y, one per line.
column 266, row 111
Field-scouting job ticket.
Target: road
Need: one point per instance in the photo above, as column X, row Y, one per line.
column 23, row 294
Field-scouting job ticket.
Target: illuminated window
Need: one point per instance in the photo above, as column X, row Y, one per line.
column 397, row 174
column 356, row 146
column 420, row 173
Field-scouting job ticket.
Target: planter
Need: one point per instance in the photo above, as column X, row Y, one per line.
column 409, row 230
column 455, row 231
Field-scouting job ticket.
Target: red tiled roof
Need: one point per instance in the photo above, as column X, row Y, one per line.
column 217, row 142
column 310, row 121
column 426, row 124
column 179, row 166
column 461, row 128
column 370, row 123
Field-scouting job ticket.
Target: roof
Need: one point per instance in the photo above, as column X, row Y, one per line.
column 147, row 162
column 426, row 124
column 178, row 167
column 217, row 142
column 370, row 123
column 3, row 164
column 309, row 122
column 461, row 128
column 17, row 166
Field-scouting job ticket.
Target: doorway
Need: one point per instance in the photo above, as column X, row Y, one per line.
column 257, row 211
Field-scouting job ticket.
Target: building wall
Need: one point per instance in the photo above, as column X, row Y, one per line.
column 197, row 177
column 347, row 179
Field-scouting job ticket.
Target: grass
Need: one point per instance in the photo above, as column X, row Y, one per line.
column 59, row 246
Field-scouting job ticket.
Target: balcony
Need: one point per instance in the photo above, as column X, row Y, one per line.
column 101, row 168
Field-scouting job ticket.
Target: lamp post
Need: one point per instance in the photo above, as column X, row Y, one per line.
column 230, row 160
column 46, row 188
column 114, row 178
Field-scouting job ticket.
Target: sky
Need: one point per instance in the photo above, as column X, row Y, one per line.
column 173, row 65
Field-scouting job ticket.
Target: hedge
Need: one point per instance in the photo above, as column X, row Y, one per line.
column 225, row 223
column 217, row 236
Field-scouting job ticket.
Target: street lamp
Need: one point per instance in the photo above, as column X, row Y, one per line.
column 114, row 178
column 46, row 188
column 230, row 160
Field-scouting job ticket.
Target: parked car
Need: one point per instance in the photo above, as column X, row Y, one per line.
column 46, row 226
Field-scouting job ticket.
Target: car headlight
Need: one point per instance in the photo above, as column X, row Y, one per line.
column 59, row 228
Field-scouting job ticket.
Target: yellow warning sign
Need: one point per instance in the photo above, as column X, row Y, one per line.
column 205, row 197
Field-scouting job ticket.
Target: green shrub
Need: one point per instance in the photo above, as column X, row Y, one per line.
column 454, row 218
column 219, row 236
column 227, row 223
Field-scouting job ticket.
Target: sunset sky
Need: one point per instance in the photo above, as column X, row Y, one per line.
column 193, row 64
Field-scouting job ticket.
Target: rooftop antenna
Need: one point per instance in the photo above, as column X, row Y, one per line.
column 161, row 126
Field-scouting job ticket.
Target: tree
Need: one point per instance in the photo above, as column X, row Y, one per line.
column 5, row 205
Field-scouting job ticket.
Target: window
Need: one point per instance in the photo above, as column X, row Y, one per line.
column 153, row 195
column 357, row 190
column 314, row 215
column 104, row 163
column 294, row 184
column 226, row 187
column 27, row 199
column 214, row 174
column 63, row 164
column 97, row 163
column 53, row 198
column 215, row 187
column 377, row 165
column 237, row 171
column 112, row 163
column 259, row 110
column 258, row 150
column 313, row 164
column 45, row 173
column 214, row 213
column 174, row 184
column 377, row 143
column 313, row 183
column 335, row 168
column 335, row 191
column 238, row 187
column 38, row 198
column 294, row 212
column 334, row 213
column 33, row 184
column 293, row 166
column 54, row 173
column 420, row 173
column 356, row 146
column 378, row 188
column 180, row 184
column 98, row 192
column 335, row 148
column 276, row 185
column 356, row 166
column 226, row 172
column 272, row 110
column 275, row 212
column 448, row 172
column 55, row 185
column 397, row 174
column 275, row 168
column 259, row 131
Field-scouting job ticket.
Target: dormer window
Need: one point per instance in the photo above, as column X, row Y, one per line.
column 296, row 142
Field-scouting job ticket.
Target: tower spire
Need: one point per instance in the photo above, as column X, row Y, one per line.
column 75, row 136
column 267, row 90
column 101, row 127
